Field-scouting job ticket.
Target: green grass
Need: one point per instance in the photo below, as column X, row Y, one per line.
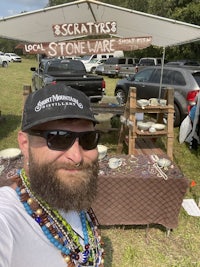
column 125, row 246
column 13, row 79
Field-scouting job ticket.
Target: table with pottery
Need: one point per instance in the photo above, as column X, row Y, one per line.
column 139, row 190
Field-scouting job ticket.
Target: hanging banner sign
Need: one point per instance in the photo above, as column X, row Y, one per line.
column 87, row 47
column 86, row 28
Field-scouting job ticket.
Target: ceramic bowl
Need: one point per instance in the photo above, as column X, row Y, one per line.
column 152, row 129
column 143, row 125
column 164, row 162
column 143, row 102
column 10, row 153
column 102, row 150
column 163, row 102
column 159, row 126
column 153, row 101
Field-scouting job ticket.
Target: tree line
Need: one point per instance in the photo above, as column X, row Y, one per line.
column 182, row 10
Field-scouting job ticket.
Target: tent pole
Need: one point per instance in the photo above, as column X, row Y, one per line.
column 161, row 74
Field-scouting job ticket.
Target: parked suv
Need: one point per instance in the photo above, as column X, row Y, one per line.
column 120, row 67
column 185, row 81
column 13, row 57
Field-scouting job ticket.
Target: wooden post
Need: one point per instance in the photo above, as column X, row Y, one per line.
column 130, row 124
column 122, row 133
column 132, row 120
column 170, row 122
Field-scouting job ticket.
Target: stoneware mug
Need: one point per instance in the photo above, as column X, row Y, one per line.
column 114, row 163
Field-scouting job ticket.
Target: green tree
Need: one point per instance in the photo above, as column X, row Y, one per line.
column 58, row 2
column 190, row 13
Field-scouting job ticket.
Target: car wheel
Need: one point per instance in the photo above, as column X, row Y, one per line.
column 121, row 96
column 177, row 116
column 4, row 64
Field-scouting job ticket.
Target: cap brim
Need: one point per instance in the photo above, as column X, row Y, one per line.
column 39, row 122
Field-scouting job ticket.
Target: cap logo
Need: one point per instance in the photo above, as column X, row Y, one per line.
column 57, row 101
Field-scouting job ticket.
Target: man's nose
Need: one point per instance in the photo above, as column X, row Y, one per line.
column 75, row 152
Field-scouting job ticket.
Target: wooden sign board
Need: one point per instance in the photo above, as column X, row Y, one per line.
column 87, row 47
column 86, row 28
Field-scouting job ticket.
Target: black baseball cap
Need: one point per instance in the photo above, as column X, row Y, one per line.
column 55, row 102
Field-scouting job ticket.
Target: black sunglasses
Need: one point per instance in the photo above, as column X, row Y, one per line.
column 62, row 140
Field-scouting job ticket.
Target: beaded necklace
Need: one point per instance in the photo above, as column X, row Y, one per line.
column 59, row 232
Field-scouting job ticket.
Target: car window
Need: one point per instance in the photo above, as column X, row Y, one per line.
column 155, row 78
column 176, row 78
column 147, row 62
column 196, row 76
column 143, row 76
column 159, row 61
column 170, row 77
column 165, row 76
column 130, row 61
column 112, row 60
column 101, row 61
column 122, row 61
column 94, row 60
column 65, row 66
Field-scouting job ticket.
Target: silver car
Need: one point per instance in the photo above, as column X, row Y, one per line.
column 185, row 81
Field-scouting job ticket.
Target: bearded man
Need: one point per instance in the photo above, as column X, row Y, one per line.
column 45, row 215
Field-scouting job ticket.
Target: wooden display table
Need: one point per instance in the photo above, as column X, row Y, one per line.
column 136, row 194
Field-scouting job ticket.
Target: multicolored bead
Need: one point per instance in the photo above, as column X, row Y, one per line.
column 60, row 233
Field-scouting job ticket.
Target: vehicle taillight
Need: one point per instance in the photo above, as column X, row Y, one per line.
column 53, row 82
column 117, row 67
column 103, row 84
column 191, row 98
column 191, row 95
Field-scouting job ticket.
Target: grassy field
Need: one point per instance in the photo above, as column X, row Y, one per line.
column 125, row 246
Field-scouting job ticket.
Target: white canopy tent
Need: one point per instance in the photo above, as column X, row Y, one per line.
column 37, row 26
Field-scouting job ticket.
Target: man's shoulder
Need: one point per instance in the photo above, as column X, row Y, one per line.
column 8, row 196
column 9, row 206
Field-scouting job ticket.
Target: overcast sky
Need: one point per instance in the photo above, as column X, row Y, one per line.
column 14, row 7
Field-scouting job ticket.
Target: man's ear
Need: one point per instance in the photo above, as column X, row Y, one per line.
column 23, row 143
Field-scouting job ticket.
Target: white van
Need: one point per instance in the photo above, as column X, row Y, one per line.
column 88, row 58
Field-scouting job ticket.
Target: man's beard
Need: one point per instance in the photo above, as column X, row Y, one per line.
column 75, row 191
